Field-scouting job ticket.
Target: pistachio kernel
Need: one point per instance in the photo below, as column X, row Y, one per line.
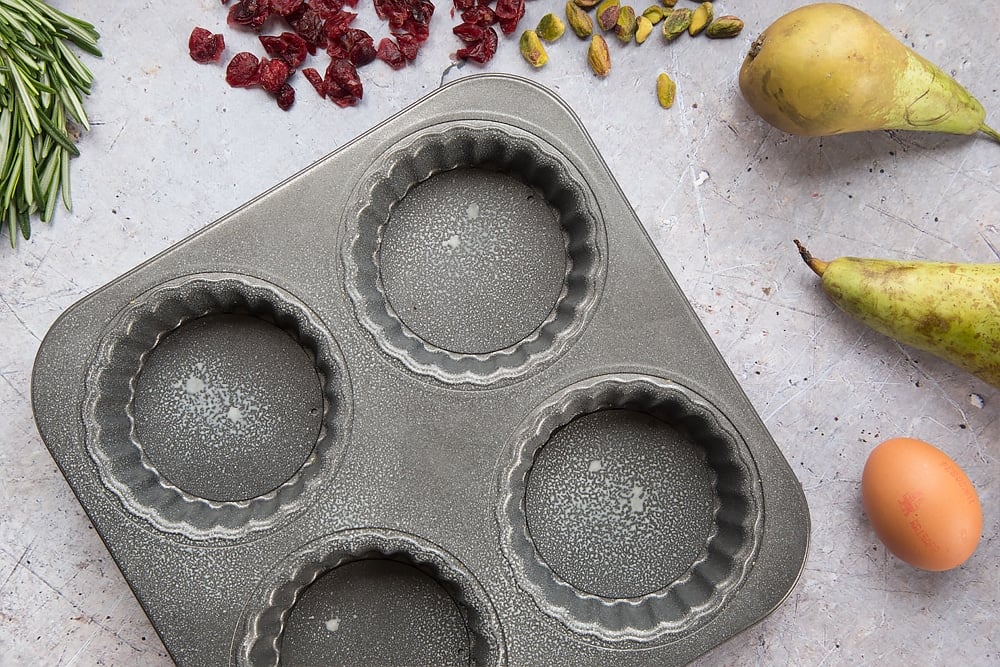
column 586, row 4
column 598, row 56
column 625, row 26
column 550, row 28
column 654, row 14
column 669, row 4
column 676, row 23
column 607, row 14
column 700, row 19
column 579, row 20
column 666, row 90
column 724, row 27
column 643, row 28
column 532, row 49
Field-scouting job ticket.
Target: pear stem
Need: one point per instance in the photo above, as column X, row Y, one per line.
column 817, row 265
column 990, row 132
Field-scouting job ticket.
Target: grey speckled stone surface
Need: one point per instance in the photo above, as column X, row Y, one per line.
column 721, row 194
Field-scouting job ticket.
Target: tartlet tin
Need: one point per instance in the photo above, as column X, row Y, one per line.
column 457, row 412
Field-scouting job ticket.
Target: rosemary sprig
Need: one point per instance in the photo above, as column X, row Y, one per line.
column 42, row 85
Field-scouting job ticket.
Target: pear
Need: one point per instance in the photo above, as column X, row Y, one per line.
column 950, row 310
column 828, row 68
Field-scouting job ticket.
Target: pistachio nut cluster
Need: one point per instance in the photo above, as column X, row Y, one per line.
column 592, row 19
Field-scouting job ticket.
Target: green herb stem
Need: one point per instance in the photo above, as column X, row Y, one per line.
column 42, row 86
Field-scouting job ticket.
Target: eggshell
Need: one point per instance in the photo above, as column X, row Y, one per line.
column 921, row 504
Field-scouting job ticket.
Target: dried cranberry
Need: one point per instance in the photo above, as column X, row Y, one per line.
column 508, row 8
column 418, row 31
column 343, row 100
column 463, row 5
column 397, row 19
column 241, row 13
column 273, row 73
column 359, row 46
column 285, row 97
column 408, row 45
column 404, row 14
column 326, row 8
column 250, row 13
column 509, row 13
column 205, row 47
column 420, row 12
column 309, row 26
column 342, row 84
column 481, row 51
column 336, row 51
column 287, row 46
column 243, row 71
column 509, row 26
column 316, row 79
column 480, row 15
column 337, row 23
column 346, row 75
column 286, row 7
column 469, row 32
column 383, row 8
column 389, row 53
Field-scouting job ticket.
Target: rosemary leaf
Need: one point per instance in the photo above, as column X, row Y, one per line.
column 27, row 168
column 74, row 69
column 64, row 182
column 13, row 20
column 12, row 179
column 24, row 223
column 25, row 95
column 56, row 133
column 71, row 98
column 50, row 184
column 5, row 128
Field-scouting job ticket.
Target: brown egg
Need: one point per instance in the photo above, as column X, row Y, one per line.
column 921, row 504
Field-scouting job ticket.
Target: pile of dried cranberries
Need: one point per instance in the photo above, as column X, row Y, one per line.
column 316, row 26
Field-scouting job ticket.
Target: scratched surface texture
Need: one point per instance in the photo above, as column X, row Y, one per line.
column 721, row 194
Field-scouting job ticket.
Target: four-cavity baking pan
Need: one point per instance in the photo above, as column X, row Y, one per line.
column 434, row 400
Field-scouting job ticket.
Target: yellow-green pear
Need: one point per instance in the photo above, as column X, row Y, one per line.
column 829, row 68
column 950, row 310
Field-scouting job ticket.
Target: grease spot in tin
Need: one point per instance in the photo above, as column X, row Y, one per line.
column 207, row 404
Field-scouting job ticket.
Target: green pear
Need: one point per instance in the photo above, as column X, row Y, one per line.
column 828, row 68
column 950, row 310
